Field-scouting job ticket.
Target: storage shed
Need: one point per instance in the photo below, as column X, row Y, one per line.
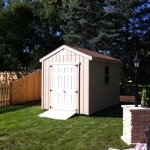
column 79, row 80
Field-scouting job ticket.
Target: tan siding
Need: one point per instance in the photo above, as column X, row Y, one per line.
column 61, row 59
column 42, row 87
column 49, row 82
column 73, row 54
column 69, row 53
column 45, row 74
column 107, row 87
column 46, row 90
column 69, row 56
column 65, row 58
column 78, row 83
column 86, row 86
column 77, row 58
column 73, row 58
column 81, row 85
column 115, row 78
column 102, row 95
column 43, row 93
column 57, row 56
column 96, row 86
column 54, row 58
column 112, row 90
column 46, row 86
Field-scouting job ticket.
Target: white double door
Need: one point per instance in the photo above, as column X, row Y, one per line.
column 64, row 86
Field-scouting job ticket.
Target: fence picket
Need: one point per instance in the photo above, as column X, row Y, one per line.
column 10, row 76
column 20, row 91
column 4, row 94
column 26, row 89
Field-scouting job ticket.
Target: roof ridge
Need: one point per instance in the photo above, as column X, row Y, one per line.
column 94, row 53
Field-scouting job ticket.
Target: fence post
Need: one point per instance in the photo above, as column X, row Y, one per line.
column 10, row 93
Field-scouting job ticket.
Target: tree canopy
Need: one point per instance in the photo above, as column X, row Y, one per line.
column 119, row 28
column 116, row 27
column 25, row 35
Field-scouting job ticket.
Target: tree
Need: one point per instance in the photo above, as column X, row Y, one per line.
column 26, row 35
column 2, row 4
column 16, row 30
column 47, row 25
column 83, row 24
column 49, row 12
column 133, row 17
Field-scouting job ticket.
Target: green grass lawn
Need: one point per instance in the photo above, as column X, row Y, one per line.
column 22, row 129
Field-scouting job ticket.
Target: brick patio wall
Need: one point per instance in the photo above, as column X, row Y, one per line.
column 135, row 122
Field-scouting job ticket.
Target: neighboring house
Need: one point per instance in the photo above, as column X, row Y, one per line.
column 79, row 80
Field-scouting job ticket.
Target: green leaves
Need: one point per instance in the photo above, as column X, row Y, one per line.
column 82, row 23
column 31, row 29
column 16, row 27
column 26, row 34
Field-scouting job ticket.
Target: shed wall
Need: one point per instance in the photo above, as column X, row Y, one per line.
column 66, row 56
column 103, row 95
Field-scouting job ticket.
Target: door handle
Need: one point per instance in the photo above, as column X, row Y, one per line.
column 51, row 90
column 76, row 91
column 64, row 91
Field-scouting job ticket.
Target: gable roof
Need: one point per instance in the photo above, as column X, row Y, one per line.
column 94, row 54
column 91, row 55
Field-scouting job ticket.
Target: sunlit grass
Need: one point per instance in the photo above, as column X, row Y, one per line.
column 22, row 129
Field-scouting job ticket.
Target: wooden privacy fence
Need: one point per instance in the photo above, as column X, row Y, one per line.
column 26, row 89
column 4, row 94
column 20, row 91
column 10, row 76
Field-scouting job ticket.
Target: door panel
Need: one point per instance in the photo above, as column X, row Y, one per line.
column 64, row 87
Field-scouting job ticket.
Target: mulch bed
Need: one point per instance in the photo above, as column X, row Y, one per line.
column 123, row 98
column 127, row 98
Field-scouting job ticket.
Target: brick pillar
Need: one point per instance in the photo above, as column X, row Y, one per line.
column 135, row 123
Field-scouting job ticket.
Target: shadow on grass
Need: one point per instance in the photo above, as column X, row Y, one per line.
column 115, row 111
column 6, row 109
